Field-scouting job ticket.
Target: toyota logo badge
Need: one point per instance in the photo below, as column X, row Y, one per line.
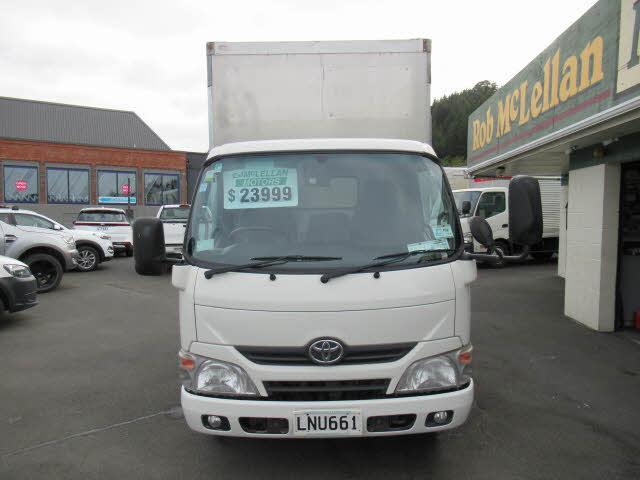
column 326, row 351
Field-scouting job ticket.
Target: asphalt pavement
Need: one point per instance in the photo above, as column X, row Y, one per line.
column 89, row 389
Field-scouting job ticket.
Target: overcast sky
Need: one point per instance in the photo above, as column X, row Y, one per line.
column 149, row 56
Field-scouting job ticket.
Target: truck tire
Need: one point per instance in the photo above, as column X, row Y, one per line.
column 88, row 258
column 46, row 269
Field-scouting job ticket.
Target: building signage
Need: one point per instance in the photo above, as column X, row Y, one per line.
column 116, row 200
column 22, row 185
column 592, row 66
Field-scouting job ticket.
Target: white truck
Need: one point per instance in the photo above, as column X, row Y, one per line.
column 490, row 201
column 174, row 223
column 324, row 290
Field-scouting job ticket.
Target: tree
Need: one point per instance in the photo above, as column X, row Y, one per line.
column 449, row 116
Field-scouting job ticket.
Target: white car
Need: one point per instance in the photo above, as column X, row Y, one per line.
column 109, row 221
column 18, row 286
column 93, row 248
column 174, row 222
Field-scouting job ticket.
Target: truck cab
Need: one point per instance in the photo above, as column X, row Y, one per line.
column 489, row 203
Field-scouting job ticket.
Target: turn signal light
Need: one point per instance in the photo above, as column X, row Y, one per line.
column 465, row 356
column 186, row 360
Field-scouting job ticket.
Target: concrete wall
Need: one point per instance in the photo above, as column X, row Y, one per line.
column 592, row 246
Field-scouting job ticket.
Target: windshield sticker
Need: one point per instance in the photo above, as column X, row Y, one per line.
column 442, row 231
column 209, row 176
column 217, row 167
column 429, row 245
column 203, row 187
column 265, row 187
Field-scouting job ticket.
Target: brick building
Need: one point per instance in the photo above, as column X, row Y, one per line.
column 57, row 159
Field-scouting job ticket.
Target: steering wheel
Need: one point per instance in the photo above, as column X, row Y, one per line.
column 239, row 230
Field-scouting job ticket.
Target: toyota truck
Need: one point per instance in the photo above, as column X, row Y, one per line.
column 325, row 290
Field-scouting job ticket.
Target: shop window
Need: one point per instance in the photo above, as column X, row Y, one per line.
column 161, row 188
column 67, row 185
column 116, row 187
column 20, row 184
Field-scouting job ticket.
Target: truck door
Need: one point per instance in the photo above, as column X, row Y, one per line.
column 492, row 206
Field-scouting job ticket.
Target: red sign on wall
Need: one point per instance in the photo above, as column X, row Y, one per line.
column 124, row 189
column 21, row 185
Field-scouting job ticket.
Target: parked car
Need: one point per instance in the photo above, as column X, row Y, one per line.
column 174, row 222
column 93, row 247
column 18, row 286
column 110, row 221
column 47, row 253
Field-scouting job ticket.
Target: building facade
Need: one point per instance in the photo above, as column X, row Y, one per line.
column 57, row 159
column 575, row 111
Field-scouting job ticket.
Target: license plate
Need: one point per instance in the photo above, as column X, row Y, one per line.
column 328, row 422
column 103, row 228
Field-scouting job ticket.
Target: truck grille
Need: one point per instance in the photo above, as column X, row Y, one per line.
column 323, row 391
column 299, row 355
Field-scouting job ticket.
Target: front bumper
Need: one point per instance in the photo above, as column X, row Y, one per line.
column 195, row 407
column 71, row 259
column 20, row 293
column 120, row 246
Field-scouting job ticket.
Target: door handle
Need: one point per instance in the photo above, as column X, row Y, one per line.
column 8, row 238
column 505, row 225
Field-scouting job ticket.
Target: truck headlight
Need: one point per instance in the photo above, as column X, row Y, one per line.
column 214, row 376
column 442, row 372
column 18, row 271
column 468, row 238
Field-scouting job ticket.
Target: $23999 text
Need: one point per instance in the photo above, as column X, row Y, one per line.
column 264, row 194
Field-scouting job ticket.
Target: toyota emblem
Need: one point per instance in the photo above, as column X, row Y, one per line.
column 326, row 351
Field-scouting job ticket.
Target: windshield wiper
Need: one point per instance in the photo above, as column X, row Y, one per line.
column 267, row 262
column 387, row 259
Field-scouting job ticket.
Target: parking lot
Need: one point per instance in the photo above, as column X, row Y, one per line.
column 90, row 390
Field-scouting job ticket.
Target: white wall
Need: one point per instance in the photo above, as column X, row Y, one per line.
column 562, row 240
column 592, row 246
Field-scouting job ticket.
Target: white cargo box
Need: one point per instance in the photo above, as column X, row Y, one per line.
column 284, row 90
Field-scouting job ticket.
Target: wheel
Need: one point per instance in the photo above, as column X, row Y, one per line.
column 502, row 247
column 129, row 251
column 542, row 256
column 46, row 269
column 88, row 258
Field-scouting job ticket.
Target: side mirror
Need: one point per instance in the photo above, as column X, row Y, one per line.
column 466, row 207
column 57, row 227
column 148, row 246
column 481, row 231
column 525, row 211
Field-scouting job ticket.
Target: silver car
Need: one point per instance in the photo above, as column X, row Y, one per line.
column 48, row 254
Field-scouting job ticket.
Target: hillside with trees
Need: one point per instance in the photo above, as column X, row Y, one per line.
column 449, row 116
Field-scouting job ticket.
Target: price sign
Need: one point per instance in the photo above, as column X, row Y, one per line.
column 22, row 185
column 260, row 188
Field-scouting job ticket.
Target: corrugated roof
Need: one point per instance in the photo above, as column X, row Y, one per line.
column 57, row 122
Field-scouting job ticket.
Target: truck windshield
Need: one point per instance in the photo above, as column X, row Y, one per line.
column 470, row 196
column 353, row 207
